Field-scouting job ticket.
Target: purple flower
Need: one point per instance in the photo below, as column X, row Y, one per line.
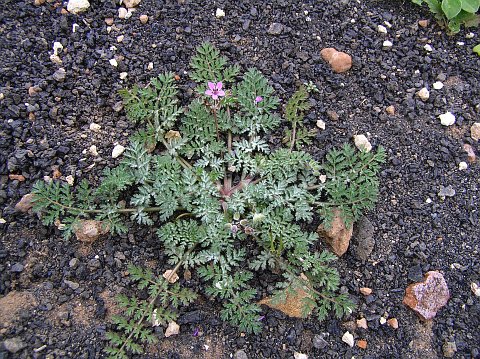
column 258, row 99
column 195, row 332
column 215, row 90
column 261, row 318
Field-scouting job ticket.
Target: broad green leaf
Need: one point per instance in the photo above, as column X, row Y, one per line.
column 476, row 49
column 418, row 2
column 451, row 8
column 435, row 7
column 470, row 6
column 454, row 26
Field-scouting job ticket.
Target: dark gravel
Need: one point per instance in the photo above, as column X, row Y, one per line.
column 47, row 129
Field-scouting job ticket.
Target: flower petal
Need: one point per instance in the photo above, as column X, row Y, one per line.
column 215, row 96
column 209, row 93
column 219, row 85
column 211, row 86
column 221, row 93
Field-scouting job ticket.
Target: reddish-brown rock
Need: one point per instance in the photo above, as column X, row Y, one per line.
column 18, row 178
column 362, row 344
column 88, row 231
column 25, row 204
column 427, row 297
column 339, row 61
column 470, row 152
column 338, row 235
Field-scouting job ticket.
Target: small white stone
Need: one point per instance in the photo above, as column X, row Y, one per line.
column 470, row 35
column 438, row 85
column 122, row 13
column 382, row 320
column 113, row 62
column 70, row 180
column 2, row 221
column 75, row 27
column 387, row 43
column 348, row 338
column 323, row 178
column 428, row 48
column 56, row 59
column 150, row 66
column 362, row 143
column 424, row 94
column 77, row 6
column 2, row 96
column 56, row 47
column 428, row 200
column 387, row 23
column 123, row 75
column 298, row 355
column 93, row 150
column 447, row 119
column 460, row 43
column 462, row 166
column 117, row 151
column 120, row 38
column 219, row 13
column 381, row 29
column 321, row 124
column 95, row 127
column 129, row 13
column 109, row 29
column 171, row 278
column 172, row 329
column 475, row 289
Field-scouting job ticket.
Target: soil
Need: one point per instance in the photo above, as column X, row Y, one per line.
column 415, row 230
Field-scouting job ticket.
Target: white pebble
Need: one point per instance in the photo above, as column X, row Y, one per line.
column 321, row 124
column 428, row 48
column 362, row 143
column 117, row 151
column 381, row 29
column 447, row 119
column 387, row 23
column 122, row 13
column 56, row 59
column 424, row 94
column 123, row 75
column 297, row 355
column 95, row 127
column 348, row 338
column 70, row 180
column 428, row 200
column 129, row 13
column 57, row 46
column 462, row 166
column 382, row 320
column 460, row 43
column 219, row 13
column 438, row 85
column 150, row 66
column 93, row 150
column 113, row 62
column 75, row 27
column 475, row 289
column 120, row 38
column 470, row 35
column 387, row 43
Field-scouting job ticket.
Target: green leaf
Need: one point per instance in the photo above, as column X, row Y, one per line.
column 476, row 49
column 471, row 6
column 418, row 2
column 451, row 8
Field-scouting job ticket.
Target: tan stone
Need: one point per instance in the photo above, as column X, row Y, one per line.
column 172, row 278
column 39, row 2
column 362, row 344
column 292, row 306
column 327, row 53
column 25, row 204
column 172, row 329
column 109, row 21
column 362, row 323
column 470, row 153
column 390, row 110
column 131, row 3
column 475, row 131
column 423, row 23
column 143, row 19
column 428, row 297
column 88, row 231
column 18, row 178
column 338, row 235
column 340, row 62
column 366, row 291
column 393, row 322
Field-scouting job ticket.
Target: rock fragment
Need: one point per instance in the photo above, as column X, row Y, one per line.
column 109, row 21
column 447, row 119
column 171, row 278
column 475, row 131
column 475, row 289
column 88, row 231
column 60, row 75
column 423, row 23
column 448, row 191
column 362, row 344
column 438, row 85
column 348, row 338
column 275, row 28
column 339, row 61
column 428, row 297
column 219, row 13
column 172, row 329
column 393, row 323
column 428, row 48
column 25, row 204
column 366, row 291
column 470, row 153
column 297, row 355
column 337, row 236
column 93, row 150
column 321, row 124
column 387, row 44
column 122, row 13
column 14, row 345
column 381, row 29
column 362, row 143
column 449, row 349
column 462, row 166
column 424, row 94
column 117, row 151
column 144, row 19
column 362, row 323
column 131, row 3
column 38, row 2
column 390, row 110
column 77, row 6
column 95, row 127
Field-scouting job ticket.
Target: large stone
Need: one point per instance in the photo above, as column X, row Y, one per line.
column 475, row 131
column 275, row 28
column 363, row 238
column 14, row 345
column 428, row 297
column 339, row 61
column 88, row 231
column 337, row 236
column 293, row 304
column 25, row 204
column 77, row 6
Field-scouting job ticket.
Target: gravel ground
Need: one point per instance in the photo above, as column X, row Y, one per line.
column 58, row 295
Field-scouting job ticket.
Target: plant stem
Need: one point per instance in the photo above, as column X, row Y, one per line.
column 294, row 134
column 152, row 301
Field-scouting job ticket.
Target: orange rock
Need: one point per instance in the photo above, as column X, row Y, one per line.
column 338, row 235
column 327, row 53
column 88, row 231
column 366, row 291
column 19, row 178
column 56, row 173
column 393, row 322
column 362, row 344
column 177, row 78
column 340, row 62
column 292, row 306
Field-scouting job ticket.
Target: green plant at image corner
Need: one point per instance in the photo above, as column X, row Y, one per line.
column 476, row 49
column 207, row 179
column 454, row 13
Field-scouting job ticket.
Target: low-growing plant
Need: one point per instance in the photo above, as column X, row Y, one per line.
column 223, row 202
column 454, row 13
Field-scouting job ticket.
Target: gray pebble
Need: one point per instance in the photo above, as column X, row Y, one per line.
column 17, row 268
column 275, row 28
column 14, row 345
